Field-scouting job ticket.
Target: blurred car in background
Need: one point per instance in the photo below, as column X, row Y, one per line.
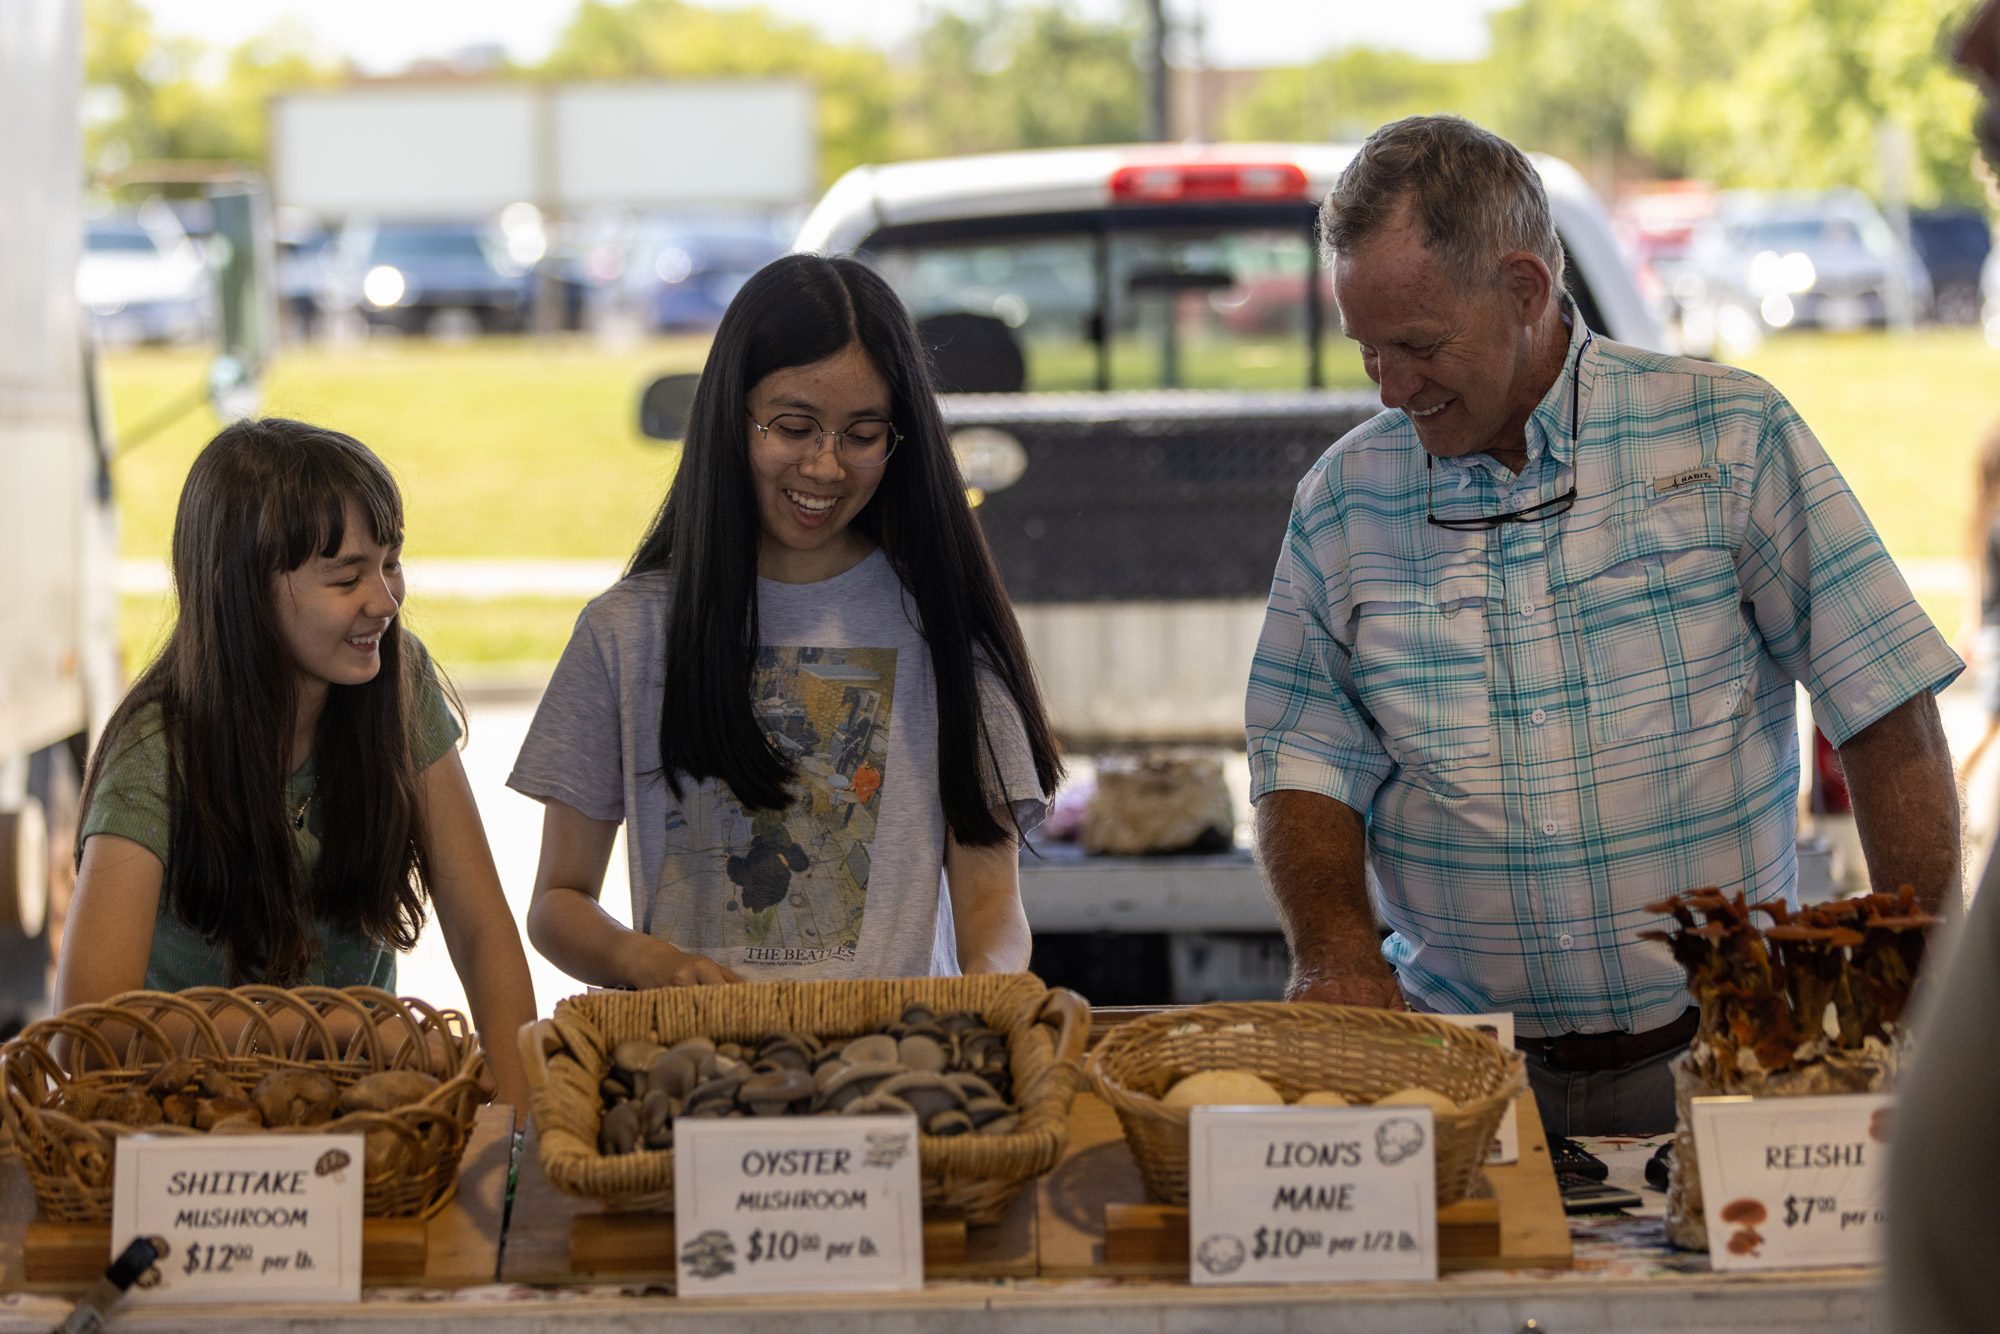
column 1953, row 244
column 142, row 280
column 428, row 277
column 1654, row 221
column 680, row 272
column 1766, row 261
column 304, row 250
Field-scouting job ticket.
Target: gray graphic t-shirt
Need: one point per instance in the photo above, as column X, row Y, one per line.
column 847, row 881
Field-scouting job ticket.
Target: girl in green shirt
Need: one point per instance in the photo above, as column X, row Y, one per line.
column 278, row 798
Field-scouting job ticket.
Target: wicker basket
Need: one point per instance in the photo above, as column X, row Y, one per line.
column 344, row 1034
column 1298, row 1047
column 568, row 1055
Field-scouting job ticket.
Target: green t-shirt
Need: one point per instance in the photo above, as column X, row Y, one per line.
column 131, row 802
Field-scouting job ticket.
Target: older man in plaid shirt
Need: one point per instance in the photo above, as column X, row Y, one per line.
column 1532, row 641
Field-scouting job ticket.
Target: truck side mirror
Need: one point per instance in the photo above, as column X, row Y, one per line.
column 666, row 406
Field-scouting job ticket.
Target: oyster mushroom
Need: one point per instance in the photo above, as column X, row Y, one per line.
column 777, row 1092
column 622, row 1129
column 921, row 1051
column 927, row 1093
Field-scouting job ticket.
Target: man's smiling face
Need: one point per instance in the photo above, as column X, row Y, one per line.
column 1458, row 363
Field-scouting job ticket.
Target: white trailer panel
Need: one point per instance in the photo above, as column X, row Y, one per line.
column 445, row 151
column 649, row 145
column 405, row 152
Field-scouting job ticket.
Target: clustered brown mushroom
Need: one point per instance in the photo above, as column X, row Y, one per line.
column 185, row 1092
column 949, row 1071
column 1768, row 991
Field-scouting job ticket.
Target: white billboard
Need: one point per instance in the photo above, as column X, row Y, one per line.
column 432, row 151
column 671, row 143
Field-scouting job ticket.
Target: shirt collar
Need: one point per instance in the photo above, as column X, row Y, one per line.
column 1551, row 430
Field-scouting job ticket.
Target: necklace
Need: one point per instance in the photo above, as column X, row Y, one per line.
column 299, row 816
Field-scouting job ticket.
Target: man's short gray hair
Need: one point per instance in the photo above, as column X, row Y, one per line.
column 1475, row 196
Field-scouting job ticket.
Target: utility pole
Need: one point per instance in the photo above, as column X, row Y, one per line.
column 1156, row 69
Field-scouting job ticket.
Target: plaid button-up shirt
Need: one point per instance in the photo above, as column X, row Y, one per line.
column 1549, row 725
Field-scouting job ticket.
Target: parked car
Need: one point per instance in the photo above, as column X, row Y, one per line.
column 414, row 275
column 1765, row 261
column 1954, row 244
column 681, row 271
column 143, row 281
column 304, row 252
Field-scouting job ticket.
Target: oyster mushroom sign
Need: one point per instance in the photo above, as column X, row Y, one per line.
column 242, row 1218
column 1311, row 1194
column 813, row 1204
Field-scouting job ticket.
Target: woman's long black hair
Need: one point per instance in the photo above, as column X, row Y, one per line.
column 795, row 311
column 262, row 498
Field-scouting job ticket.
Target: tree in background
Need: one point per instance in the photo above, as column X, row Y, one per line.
column 1753, row 93
column 1346, row 95
column 996, row 76
column 153, row 99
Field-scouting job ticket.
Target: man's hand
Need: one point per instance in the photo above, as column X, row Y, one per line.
column 1375, row 991
column 1313, row 853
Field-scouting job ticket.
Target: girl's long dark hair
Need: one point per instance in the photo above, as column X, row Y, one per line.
column 262, row 498
column 793, row 312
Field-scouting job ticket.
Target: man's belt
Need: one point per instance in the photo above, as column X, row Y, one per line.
column 1592, row 1052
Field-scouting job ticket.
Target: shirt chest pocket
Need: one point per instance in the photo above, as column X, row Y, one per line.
column 1420, row 671
column 1659, row 623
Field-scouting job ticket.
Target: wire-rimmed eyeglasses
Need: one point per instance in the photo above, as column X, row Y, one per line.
column 1547, row 509
column 866, row 443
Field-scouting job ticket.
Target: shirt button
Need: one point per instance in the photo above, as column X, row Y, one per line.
column 1565, row 940
column 1527, row 609
column 1550, row 827
column 1539, row 716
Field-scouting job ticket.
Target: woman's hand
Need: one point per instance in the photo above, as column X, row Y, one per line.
column 572, row 930
column 655, row 963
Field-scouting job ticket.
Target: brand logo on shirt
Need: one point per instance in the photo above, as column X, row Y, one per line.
column 1674, row 481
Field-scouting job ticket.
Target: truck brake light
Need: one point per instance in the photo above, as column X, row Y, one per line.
column 1177, row 182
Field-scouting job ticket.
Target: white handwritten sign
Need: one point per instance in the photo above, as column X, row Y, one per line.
column 1506, row 1147
column 805, row 1204
column 1792, row 1183
column 1311, row 1194
column 250, row 1218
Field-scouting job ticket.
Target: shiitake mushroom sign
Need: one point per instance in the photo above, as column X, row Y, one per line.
column 242, row 1217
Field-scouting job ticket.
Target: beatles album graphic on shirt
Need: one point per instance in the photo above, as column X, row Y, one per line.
column 790, row 886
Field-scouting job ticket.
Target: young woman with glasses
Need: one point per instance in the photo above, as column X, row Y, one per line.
column 808, row 702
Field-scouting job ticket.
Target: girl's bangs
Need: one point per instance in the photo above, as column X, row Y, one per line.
column 317, row 512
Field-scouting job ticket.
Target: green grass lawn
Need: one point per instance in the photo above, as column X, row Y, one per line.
column 504, row 447
column 526, row 449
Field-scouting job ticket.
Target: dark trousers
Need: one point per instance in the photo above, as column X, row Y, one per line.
column 1635, row 1100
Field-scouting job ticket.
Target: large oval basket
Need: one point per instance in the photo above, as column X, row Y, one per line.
column 1361, row 1054
column 567, row 1056
column 245, row 1033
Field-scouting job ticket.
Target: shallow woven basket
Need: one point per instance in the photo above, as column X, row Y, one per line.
column 245, row 1033
column 568, row 1055
column 1298, row 1047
